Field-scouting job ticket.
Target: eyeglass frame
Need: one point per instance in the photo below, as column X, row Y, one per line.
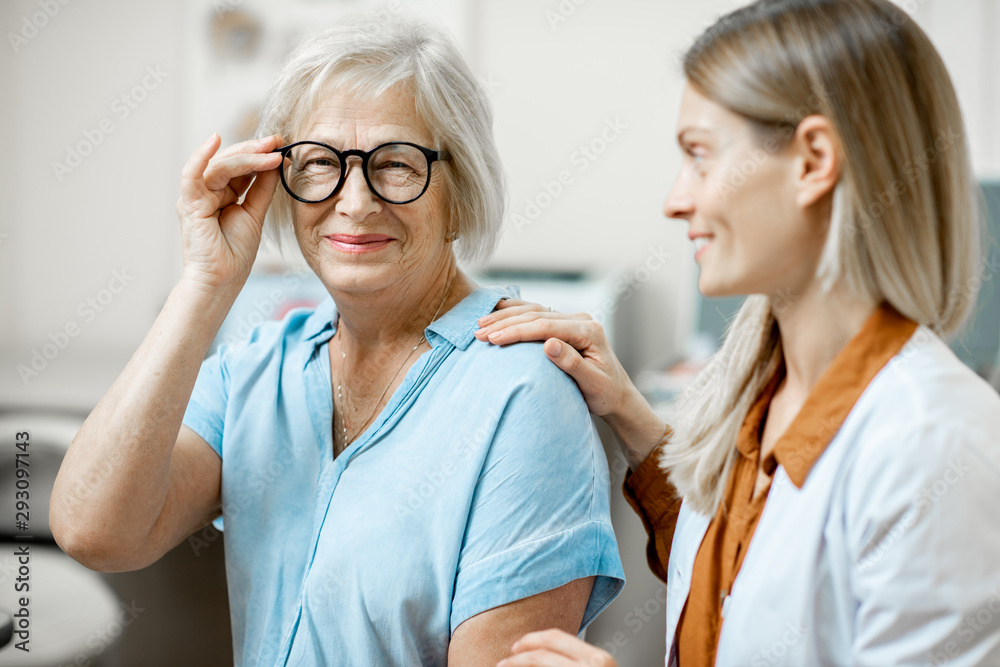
column 431, row 155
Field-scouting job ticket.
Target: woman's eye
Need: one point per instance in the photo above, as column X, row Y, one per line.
column 394, row 165
column 697, row 159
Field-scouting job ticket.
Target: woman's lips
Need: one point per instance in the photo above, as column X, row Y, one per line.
column 359, row 243
column 701, row 243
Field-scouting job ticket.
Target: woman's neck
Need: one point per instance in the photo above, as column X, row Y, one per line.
column 385, row 319
column 814, row 328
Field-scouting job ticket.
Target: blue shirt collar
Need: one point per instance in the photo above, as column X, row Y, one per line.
column 456, row 326
column 321, row 320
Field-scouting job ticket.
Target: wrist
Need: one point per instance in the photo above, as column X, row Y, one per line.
column 196, row 287
column 636, row 426
column 210, row 304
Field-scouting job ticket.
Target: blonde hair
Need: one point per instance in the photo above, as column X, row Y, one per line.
column 906, row 224
column 369, row 54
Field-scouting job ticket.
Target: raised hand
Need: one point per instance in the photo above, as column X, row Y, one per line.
column 219, row 234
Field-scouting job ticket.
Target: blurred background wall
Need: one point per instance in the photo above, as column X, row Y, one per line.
column 103, row 100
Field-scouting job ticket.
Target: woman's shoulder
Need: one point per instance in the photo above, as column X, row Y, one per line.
column 521, row 365
column 920, row 460
column 521, row 361
column 926, row 383
column 922, row 415
column 519, row 377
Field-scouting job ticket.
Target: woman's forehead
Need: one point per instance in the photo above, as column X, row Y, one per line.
column 701, row 118
column 340, row 116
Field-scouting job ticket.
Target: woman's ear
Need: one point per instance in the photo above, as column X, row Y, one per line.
column 817, row 163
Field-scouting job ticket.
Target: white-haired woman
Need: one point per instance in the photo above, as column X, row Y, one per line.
column 827, row 491
column 378, row 506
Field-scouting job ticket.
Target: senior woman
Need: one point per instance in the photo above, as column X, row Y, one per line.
column 826, row 493
column 379, row 507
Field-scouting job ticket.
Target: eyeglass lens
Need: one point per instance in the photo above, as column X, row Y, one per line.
column 397, row 172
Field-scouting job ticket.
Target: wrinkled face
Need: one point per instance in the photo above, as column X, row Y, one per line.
column 738, row 194
column 354, row 241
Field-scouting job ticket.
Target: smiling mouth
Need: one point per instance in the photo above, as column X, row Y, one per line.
column 701, row 243
column 359, row 243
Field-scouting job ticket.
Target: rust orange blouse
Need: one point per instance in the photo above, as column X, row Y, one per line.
column 725, row 543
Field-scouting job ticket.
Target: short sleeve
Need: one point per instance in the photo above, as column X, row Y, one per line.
column 540, row 514
column 924, row 537
column 206, row 410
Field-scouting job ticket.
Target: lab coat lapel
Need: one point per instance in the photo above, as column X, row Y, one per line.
column 690, row 531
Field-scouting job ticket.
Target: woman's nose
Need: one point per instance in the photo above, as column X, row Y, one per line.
column 355, row 199
column 679, row 203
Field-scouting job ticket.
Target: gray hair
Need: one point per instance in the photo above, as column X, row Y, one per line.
column 367, row 56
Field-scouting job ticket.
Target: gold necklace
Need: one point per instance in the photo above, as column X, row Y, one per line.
column 343, row 358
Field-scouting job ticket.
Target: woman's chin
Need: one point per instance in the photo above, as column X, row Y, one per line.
column 709, row 288
column 356, row 278
column 717, row 289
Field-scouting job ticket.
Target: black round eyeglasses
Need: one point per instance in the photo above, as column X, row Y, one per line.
column 397, row 172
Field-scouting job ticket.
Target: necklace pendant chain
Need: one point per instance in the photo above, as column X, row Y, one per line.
column 343, row 361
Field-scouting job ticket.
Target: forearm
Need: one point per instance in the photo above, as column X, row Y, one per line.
column 636, row 426
column 114, row 479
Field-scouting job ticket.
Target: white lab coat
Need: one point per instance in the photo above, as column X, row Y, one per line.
column 890, row 552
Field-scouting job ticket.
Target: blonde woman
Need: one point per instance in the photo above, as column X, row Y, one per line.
column 827, row 492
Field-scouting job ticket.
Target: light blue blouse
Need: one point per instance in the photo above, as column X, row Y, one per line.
column 482, row 482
